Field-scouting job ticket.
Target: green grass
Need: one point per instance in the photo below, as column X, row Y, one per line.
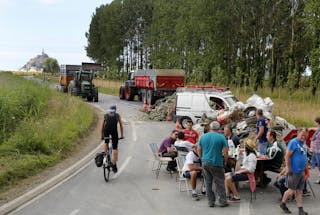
column 40, row 126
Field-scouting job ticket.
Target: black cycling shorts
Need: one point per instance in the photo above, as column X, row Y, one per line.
column 114, row 139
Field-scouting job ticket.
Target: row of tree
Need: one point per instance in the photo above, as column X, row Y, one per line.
column 223, row 42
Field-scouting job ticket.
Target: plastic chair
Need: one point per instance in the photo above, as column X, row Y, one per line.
column 180, row 178
column 158, row 159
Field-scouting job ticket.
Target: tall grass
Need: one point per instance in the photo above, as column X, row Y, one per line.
column 39, row 126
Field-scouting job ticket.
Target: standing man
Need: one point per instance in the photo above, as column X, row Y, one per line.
column 213, row 150
column 261, row 131
column 109, row 127
column 296, row 161
column 190, row 134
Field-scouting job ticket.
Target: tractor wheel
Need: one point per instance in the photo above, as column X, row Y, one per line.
column 122, row 92
column 129, row 94
column 74, row 91
column 96, row 98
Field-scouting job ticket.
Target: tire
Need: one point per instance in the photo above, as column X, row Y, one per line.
column 150, row 97
column 96, row 98
column 250, row 112
column 183, row 121
column 106, row 172
column 122, row 92
column 129, row 94
column 89, row 98
column 74, row 91
column 143, row 95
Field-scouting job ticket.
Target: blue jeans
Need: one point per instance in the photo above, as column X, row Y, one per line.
column 214, row 174
column 262, row 147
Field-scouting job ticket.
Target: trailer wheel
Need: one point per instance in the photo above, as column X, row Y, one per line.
column 143, row 95
column 129, row 94
column 150, row 97
column 122, row 92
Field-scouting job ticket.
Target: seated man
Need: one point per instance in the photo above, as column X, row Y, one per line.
column 275, row 152
column 192, row 169
column 181, row 144
column 248, row 166
column 167, row 150
column 233, row 142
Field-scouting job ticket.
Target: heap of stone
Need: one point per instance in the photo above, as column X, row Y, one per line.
column 162, row 107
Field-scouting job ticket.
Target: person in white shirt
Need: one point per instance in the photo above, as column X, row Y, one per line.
column 183, row 145
column 248, row 166
column 192, row 169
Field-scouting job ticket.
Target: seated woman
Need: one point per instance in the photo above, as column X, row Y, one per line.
column 248, row 166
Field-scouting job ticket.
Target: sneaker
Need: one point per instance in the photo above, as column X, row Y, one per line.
column 195, row 196
column 228, row 197
column 211, row 205
column 303, row 213
column 203, row 189
column 306, row 193
column 234, row 199
column 223, row 205
column 285, row 208
column 114, row 168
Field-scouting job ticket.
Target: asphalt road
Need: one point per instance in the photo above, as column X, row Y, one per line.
column 135, row 190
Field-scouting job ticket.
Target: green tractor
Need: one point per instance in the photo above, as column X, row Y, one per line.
column 82, row 84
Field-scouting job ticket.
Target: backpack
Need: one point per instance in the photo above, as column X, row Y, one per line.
column 99, row 159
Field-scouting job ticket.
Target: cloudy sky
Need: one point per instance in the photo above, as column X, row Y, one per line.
column 57, row 26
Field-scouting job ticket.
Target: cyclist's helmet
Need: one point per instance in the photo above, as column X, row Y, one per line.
column 112, row 108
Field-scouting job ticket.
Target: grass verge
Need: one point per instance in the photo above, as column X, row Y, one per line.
column 39, row 135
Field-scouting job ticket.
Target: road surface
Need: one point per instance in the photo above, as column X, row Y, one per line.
column 135, row 190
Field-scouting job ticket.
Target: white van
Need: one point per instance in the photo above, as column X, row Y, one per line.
column 193, row 101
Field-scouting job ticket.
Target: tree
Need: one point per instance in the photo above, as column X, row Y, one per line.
column 51, row 66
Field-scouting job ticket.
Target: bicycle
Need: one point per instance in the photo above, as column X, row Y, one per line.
column 107, row 163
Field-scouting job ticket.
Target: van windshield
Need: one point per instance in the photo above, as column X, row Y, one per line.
column 231, row 100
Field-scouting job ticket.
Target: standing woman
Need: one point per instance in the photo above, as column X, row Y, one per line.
column 315, row 148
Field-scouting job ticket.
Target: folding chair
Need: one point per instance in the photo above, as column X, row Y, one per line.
column 180, row 178
column 158, row 159
column 252, row 182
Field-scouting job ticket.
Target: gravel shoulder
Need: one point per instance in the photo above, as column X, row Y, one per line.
column 85, row 145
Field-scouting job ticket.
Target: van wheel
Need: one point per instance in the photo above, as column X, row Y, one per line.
column 184, row 121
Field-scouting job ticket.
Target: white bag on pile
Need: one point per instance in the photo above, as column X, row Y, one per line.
column 258, row 102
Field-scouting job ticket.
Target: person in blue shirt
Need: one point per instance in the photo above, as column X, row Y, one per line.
column 296, row 161
column 261, row 131
column 213, row 151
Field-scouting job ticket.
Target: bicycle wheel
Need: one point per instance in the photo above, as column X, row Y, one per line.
column 106, row 172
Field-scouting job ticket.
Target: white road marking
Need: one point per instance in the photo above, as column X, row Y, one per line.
column 244, row 208
column 134, row 133
column 122, row 167
column 74, row 212
column 56, row 185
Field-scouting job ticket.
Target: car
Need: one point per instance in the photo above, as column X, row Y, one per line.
column 194, row 101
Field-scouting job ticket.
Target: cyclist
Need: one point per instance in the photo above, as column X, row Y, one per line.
column 109, row 127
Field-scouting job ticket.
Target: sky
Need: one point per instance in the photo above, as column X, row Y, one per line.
column 56, row 26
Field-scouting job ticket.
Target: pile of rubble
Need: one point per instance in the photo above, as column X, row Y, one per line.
column 163, row 109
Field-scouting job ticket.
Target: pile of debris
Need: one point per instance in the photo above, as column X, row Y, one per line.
column 163, row 108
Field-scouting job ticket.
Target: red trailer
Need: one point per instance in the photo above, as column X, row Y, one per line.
column 152, row 84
